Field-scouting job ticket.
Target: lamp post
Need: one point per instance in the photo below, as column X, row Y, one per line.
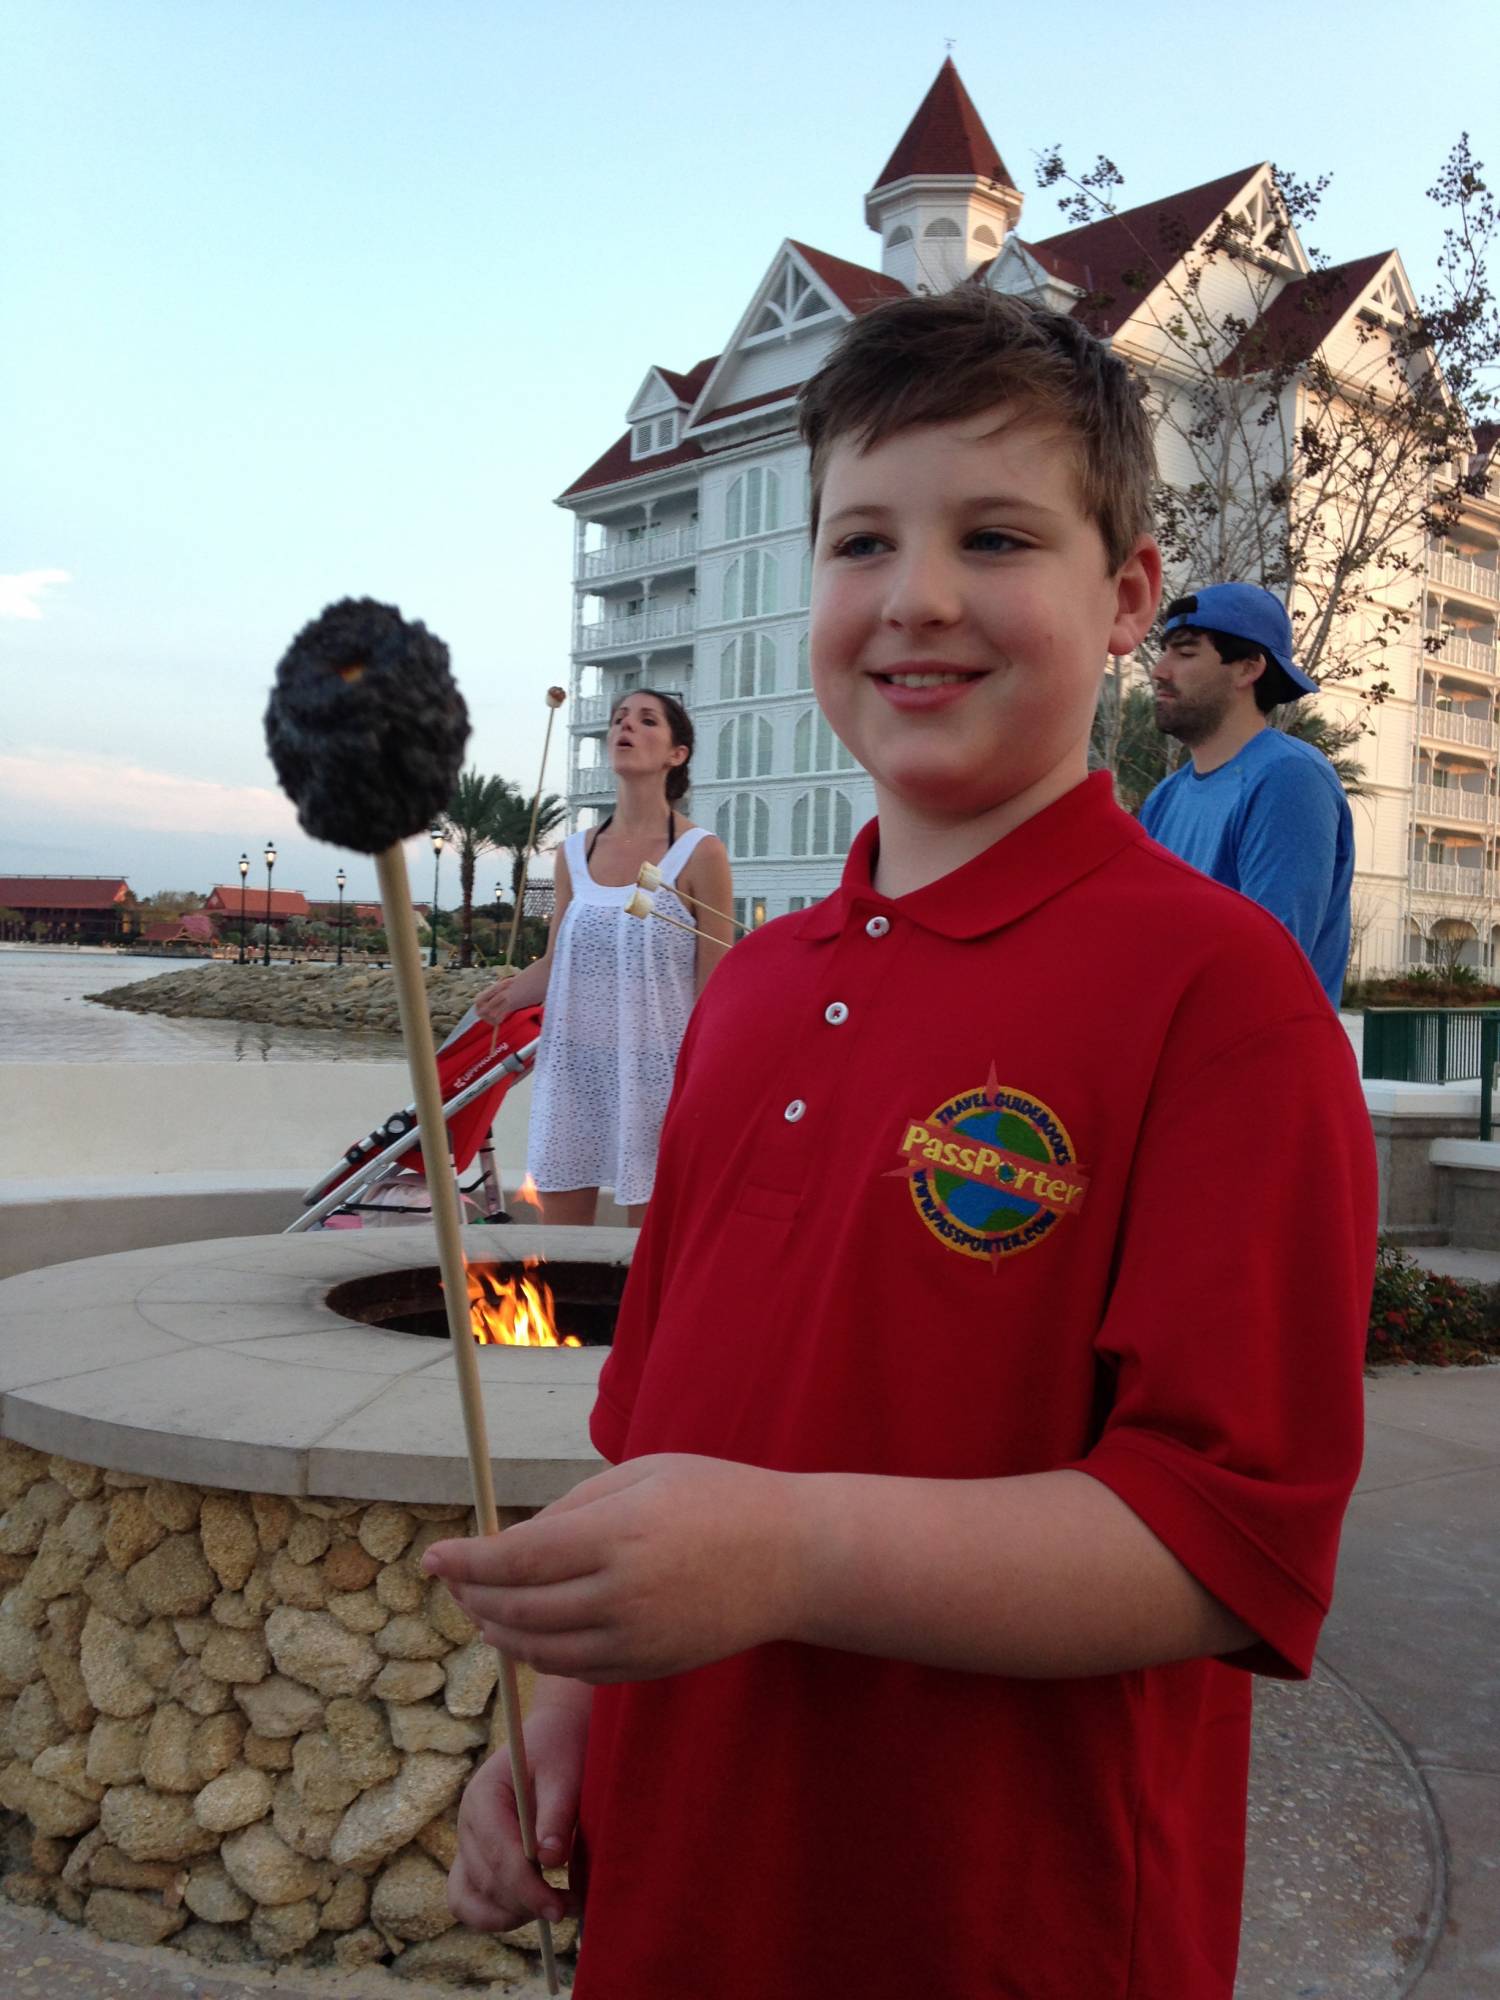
column 244, row 871
column 435, row 834
column 341, row 878
column 270, row 864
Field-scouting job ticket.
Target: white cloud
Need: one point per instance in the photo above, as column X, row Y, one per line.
column 109, row 791
column 19, row 594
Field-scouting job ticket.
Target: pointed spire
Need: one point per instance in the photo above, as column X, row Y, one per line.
column 946, row 136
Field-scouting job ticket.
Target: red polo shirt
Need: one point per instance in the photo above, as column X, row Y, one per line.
column 1061, row 1161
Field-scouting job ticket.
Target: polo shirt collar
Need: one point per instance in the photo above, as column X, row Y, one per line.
column 1024, row 869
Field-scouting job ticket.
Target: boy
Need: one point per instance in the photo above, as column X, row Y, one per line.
column 964, row 1457
column 1255, row 808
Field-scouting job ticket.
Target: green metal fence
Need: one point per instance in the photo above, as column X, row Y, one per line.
column 1435, row 1045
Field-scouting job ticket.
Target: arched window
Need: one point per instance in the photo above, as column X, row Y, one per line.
column 944, row 226
column 822, row 822
column 747, row 666
column 806, row 597
column 815, row 747
column 752, row 505
column 984, row 234
column 750, row 585
column 804, row 665
column 898, row 236
column 743, row 823
column 745, row 748
column 792, row 299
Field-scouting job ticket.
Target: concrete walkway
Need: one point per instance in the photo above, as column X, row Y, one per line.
column 1374, row 1863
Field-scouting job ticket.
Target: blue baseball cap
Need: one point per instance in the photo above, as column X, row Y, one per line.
column 1245, row 611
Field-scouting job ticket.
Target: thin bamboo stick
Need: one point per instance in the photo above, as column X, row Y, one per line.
column 416, row 1028
column 556, row 696
column 640, row 906
column 650, row 878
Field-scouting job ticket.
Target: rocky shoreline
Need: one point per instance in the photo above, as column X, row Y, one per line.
column 297, row 996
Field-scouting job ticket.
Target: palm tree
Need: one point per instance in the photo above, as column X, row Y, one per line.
column 517, row 838
column 476, row 821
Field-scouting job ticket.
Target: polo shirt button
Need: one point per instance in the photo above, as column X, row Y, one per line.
column 877, row 926
column 836, row 1014
column 794, row 1111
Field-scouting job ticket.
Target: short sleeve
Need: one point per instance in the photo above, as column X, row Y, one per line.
column 1235, row 1328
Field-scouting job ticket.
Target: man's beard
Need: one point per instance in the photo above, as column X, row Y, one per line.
column 1192, row 721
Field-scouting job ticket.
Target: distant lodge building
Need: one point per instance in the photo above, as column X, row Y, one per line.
column 691, row 569
column 67, row 909
column 276, row 907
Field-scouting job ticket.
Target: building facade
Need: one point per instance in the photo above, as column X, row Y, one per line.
column 691, row 567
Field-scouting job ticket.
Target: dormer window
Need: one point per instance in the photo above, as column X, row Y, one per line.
column 793, row 302
column 944, row 226
column 655, row 434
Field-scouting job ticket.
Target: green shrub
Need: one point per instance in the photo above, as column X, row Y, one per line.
column 1420, row 1315
column 1421, row 986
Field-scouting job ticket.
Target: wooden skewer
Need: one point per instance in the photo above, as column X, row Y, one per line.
column 650, row 878
column 556, row 696
column 416, row 1028
column 640, row 906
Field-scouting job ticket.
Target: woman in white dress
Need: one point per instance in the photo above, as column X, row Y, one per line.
column 618, row 989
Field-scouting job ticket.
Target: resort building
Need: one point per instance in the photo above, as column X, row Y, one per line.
column 691, row 565
column 67, row 909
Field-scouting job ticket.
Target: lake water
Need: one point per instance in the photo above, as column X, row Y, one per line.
column 45, row 1018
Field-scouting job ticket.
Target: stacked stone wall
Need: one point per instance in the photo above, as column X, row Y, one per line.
column 238, row 1723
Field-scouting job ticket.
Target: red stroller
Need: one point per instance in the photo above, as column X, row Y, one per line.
column 381, row 1176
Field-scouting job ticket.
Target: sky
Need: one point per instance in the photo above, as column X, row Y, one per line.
column 312, row 298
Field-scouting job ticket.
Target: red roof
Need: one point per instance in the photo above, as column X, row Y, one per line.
column 853, row 285
column 284, row 902
column 1300, row 318
column 787, row 395
column 63, row 892
column 946, row 136
column 687, row 388
column 1120, row 258
column 196, row 926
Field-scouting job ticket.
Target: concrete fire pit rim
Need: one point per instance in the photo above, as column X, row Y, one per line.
column 164, row 1362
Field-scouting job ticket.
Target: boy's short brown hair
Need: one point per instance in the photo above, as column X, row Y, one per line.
column 932, row 360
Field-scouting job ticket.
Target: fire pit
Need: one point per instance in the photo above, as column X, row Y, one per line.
column 233, row 1713
column 527, row 1304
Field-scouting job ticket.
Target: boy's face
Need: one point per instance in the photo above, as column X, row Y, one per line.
column 962, row 611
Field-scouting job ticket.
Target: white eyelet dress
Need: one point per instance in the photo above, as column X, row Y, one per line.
column 616, row 1010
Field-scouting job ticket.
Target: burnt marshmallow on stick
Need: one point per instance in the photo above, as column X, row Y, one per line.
column 365, row 726
column 367, row 729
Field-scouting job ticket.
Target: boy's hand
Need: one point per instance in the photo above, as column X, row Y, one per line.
column 491, row 1885
column 656, row 1566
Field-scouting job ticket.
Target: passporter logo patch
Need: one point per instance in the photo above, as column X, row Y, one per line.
column 992, row 1171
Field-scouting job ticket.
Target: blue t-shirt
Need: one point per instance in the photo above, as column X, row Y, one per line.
column 1273, row 823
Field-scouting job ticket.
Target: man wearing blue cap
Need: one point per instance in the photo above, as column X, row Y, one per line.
column 1253, row 807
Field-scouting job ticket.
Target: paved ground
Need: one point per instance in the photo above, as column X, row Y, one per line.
column 1375, row 1814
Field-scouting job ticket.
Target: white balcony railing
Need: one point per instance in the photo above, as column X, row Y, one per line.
column 591, row 711
column 1446, row 878
column 1465, row 574
column 591, row 783
column 1451, row 725
column 650, row 551
column 1474, row 654
column 669, row 621
column 1453, row 807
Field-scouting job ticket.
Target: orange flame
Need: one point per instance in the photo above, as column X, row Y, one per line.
column 514, row 1312
column 527, row 1192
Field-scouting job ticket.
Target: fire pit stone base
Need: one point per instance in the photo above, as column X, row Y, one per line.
column 234, row 1716
column 238, row 1722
